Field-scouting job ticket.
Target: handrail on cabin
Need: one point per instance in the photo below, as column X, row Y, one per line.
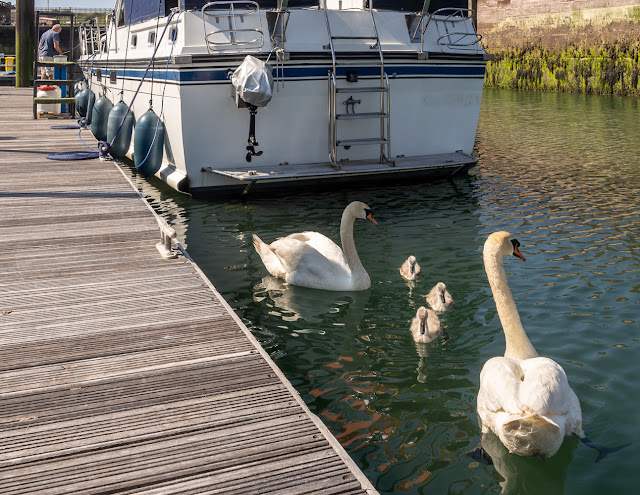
column 455, row 15
column 206, row 8
column 235, row 8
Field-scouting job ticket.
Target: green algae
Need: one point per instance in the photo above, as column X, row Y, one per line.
column 610, row 69
column 591, row 51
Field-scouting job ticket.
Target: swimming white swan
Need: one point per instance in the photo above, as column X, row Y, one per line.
column 410, row 270
column 524, row 399
column 439, row 298
column 310, row 259
column 425, row 326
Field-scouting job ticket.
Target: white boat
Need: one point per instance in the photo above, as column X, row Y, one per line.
column 362, row 89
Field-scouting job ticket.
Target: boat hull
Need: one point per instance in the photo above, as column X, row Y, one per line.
column 434, row 104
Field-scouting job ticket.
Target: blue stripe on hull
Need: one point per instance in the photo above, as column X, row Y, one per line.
column 214, row 75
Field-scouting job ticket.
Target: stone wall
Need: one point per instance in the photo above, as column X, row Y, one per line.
column 592, row 51
column 494, row 12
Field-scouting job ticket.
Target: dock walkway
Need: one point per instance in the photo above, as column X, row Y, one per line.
column 121, row 372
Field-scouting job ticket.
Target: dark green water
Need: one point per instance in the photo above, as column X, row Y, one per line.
column 560, row 172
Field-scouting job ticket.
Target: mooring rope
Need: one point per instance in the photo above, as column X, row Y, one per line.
column 105, row 147
column 166, row 72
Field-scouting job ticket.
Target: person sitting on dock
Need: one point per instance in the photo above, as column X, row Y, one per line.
column 49, row 46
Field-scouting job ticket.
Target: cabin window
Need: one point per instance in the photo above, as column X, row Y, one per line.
column 134, row 40
column 264, row 4
column 151, row 38
column 172, row 35
column 418, row 5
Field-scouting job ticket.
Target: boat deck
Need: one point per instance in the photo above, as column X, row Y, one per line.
column 122, row 372
column 452, row 163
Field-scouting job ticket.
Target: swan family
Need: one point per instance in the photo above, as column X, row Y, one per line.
column 525, row 399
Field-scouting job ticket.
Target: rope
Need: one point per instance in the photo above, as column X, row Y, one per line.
column 166, row 72
column 106, row 64
column 83, row 120
column 126, row 55
column 153, row 56
column 153, row 68
column 80, row 155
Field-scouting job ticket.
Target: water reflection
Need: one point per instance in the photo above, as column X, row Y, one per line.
column 308, row 305
column 423, row 353
column 530, row 475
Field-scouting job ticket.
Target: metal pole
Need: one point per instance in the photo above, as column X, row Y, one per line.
column 473, row 5
column 25, row 42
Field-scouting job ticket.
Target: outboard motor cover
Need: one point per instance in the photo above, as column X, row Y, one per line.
column 253, row 81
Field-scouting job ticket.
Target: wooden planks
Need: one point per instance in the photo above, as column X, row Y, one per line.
column 121, row 372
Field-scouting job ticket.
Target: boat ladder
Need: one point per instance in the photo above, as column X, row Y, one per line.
column 340, row 74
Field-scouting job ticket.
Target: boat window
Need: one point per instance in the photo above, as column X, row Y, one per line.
column 172, row 35
column 417, row 5
column 264, row 4
column 142, row 10
column 134, row 40
column 151, row 39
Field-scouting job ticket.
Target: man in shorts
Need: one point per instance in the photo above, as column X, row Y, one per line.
column 49, row 46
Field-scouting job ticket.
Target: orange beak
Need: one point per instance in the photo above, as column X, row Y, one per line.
column 517, row 253
column 373, row 220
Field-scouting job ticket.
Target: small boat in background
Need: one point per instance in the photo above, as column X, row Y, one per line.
column 358, row 89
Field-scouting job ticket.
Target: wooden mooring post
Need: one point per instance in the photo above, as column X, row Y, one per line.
column 25, row 42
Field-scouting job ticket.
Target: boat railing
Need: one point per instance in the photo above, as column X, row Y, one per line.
column 234, row 12
column 445, row 18
column 92, row 37
column 280, row 24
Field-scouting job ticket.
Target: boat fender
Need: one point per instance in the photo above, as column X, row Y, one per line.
column 79, row 86
column 82, row 97
column 148, row 143
column 118, row 131
column 99, row 117
column 91, row 101
column 84, row 103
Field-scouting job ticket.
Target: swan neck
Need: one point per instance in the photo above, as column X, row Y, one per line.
column 518, row 345
column 348, row 244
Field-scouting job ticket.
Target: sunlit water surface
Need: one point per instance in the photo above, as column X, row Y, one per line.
column 561, row 173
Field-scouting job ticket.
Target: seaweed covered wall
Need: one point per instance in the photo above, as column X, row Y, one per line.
column 593, row 51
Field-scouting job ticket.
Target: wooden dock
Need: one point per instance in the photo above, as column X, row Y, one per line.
column 122, row 372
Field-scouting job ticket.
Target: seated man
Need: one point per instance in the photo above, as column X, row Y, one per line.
column 49, row 46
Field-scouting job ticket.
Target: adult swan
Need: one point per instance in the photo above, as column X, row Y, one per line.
column 310, row 259
column 524, row 399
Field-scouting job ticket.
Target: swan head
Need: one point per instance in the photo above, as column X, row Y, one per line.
column 441, row 289
column 358, row 209
column 503, row 244
column 422, row 316
column 425, row 327
column 412, row 264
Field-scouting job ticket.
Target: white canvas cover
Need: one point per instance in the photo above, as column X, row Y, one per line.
column 253, row 81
